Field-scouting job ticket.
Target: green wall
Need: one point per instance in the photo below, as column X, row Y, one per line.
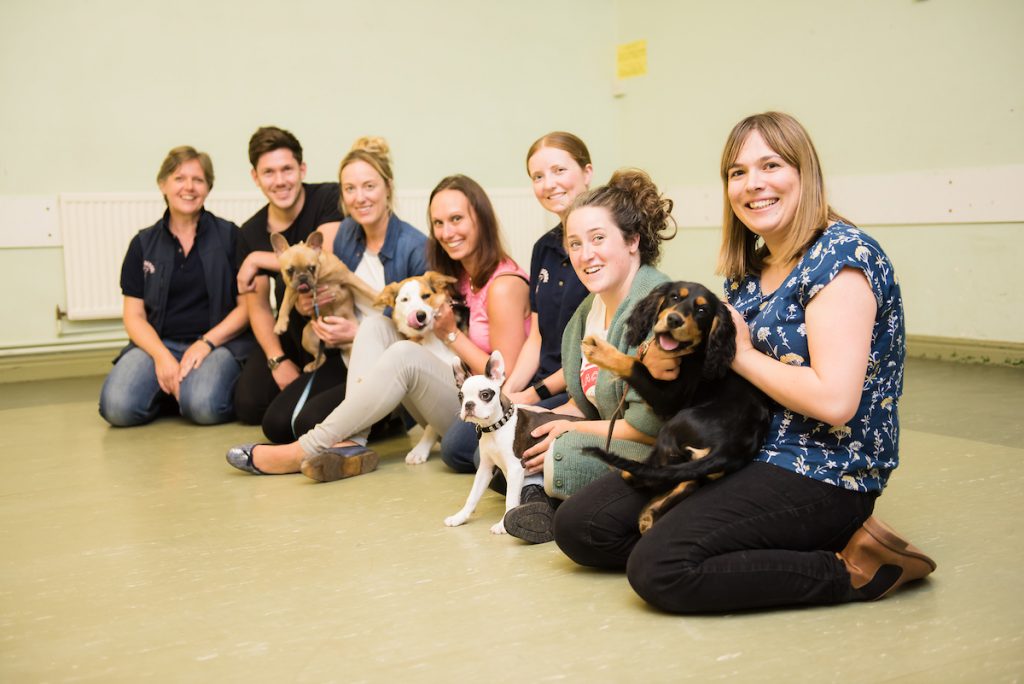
column 95, row 92
column 885, row 87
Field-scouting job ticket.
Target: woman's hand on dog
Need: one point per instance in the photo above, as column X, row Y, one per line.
column 304, row 302
column 743, row 343
column 533, row 458
column 444, row 321
column 662, row 365
column 335, row 331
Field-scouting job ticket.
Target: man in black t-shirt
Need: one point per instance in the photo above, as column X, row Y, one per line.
column 295, row 209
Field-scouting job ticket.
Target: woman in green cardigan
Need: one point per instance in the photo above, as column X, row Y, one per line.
column 613, row 236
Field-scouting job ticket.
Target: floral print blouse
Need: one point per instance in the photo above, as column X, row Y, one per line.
column 861, row 454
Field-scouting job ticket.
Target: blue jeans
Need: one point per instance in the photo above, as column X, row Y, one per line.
column 131, row 394
column 459, row 446
column 761, row 537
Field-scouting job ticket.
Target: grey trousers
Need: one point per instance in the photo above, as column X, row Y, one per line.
column 385, row 371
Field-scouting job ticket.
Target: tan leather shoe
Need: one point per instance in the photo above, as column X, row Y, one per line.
column 879, row 560
column 338, row 463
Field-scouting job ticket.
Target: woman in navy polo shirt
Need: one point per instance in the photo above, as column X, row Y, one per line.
column 182, row 311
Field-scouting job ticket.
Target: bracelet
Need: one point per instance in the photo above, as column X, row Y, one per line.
column 542, row 390
column 209, row 344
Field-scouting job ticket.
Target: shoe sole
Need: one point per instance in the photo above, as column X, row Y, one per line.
column 891, row 539
column 330, row 467
column 532, row 522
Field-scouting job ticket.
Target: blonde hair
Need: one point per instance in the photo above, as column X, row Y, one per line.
column 740, row 253
column 374, row 151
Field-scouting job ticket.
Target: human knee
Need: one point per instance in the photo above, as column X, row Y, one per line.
column 458, row 447
column 121, row 411
column 580, row 539
column 669, row 585
column 205, row 410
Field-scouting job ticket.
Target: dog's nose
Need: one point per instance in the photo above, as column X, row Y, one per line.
column 468, row 407
column 674, row 320
column 421, row 316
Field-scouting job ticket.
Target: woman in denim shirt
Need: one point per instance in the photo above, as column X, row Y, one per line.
column 380, row 248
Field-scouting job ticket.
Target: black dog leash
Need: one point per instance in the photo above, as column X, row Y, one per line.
column 641, row 353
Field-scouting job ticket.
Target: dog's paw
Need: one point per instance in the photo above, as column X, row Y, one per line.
column 498, row 527
column 604, row 355
column 646, row 521
column 280, row 327
column 455, row 520
column 415, row 457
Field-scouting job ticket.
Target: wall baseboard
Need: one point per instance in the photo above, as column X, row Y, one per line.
column 69, row 364
column 959, row 350
column 89, row 362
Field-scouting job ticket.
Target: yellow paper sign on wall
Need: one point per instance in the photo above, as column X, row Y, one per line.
column 632, row 59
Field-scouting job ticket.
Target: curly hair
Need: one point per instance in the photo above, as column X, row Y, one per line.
column 637, row 208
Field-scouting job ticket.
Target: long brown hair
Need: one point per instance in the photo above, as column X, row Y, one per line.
column 490, row 250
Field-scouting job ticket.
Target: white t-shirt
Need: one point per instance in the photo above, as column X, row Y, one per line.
column 594, row 326
column 371, row 270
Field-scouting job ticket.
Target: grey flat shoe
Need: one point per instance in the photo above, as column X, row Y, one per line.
column 241, row 457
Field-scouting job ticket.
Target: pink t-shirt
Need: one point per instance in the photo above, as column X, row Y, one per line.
column 479, row 324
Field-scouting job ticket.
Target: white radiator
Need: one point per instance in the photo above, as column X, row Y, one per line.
column 97, row 227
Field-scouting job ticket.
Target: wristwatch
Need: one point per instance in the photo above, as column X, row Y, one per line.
column 542, row 390
column 450, row 337
column 273, row 363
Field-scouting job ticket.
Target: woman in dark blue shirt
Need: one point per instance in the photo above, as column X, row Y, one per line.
column 820, row 330
column 182, row 311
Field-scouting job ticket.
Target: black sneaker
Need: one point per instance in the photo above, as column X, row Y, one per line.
column 533, row 519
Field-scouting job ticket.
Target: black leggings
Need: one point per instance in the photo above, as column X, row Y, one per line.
column 325, row 393
column 761, row 537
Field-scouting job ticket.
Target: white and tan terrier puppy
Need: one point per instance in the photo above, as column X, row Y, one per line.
column 415, row 303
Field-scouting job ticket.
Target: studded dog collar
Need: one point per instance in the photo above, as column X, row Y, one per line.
column 501, row 421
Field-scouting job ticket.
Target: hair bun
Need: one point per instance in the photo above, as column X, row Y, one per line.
column 373, row 144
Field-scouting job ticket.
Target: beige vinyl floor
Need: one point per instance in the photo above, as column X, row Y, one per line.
column 133, row 555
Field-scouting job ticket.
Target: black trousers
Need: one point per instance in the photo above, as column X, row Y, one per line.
column 759, row 538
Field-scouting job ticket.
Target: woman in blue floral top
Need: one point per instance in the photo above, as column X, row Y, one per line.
column 820, row 330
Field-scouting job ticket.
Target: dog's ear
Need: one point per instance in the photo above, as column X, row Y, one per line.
column 461, row 372
column 387, row 296
column 721, row 345
column 278, row 242
column 315, row 240
column 644, row 314
column 495, row 368
column 439, row 282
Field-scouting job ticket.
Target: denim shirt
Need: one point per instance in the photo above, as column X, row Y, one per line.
column 403, row 253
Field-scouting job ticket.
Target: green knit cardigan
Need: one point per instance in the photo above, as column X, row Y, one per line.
column 571, row 469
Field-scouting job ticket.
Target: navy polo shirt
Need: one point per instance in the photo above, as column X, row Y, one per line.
column 555, row 294
column 188, row 303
